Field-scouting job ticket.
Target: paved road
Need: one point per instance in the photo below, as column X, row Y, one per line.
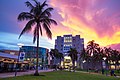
column 12, row 74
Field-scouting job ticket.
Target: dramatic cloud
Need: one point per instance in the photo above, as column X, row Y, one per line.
column 115, row 46
column 92, row 19
column 97, row 20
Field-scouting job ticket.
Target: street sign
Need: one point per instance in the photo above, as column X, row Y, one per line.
column 21, row 56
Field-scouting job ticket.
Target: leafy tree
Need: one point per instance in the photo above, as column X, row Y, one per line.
column 39, row 17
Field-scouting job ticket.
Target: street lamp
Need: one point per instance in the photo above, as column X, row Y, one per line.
column 19, row 45
column 83, row 64
column 84, row 61
column 104, row 58
column 103, row 64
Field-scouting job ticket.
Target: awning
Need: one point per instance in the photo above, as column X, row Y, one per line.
column 6, row 55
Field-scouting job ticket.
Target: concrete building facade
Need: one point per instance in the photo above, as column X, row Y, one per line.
column 63, row 45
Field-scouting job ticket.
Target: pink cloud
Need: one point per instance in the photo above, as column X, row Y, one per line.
column 96, row 14
column 115, row 46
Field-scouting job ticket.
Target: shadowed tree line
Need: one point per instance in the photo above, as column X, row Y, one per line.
column 94, row 53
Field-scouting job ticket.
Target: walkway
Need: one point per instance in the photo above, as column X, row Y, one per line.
column 12, row 74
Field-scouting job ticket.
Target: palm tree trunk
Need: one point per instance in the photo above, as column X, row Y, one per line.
column 37, row 57
column 115, row 65
column 73, row 61
column 87, row 61
column 60, row 61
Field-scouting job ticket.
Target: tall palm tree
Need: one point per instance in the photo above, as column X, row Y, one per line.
column 92, row 47
column 73, row 54
column 39, row 17
column 92, row 50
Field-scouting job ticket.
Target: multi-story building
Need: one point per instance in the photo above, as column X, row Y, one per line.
column 63, row 44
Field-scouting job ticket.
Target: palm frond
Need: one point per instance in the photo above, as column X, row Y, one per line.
column 48, row 20
column 48, row 32
column 47, row 12
column 25, row 16
column 36, row 2
column 44, row 4
column 48, row 24
column 53, row 21
column 28, row 4
column 28, row 27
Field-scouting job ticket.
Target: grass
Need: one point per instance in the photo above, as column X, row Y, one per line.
column 64, row 75
column 117, row 72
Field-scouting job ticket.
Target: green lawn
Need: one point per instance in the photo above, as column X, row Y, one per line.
column 63, row 75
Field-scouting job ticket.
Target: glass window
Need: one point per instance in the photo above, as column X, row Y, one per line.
column 67, row 39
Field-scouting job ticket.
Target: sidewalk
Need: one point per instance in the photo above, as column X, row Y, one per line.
column 12, row 74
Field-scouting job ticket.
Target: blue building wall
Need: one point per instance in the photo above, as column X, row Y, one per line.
column 30, row 54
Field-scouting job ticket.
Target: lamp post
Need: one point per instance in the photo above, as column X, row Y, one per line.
column 103, row 65
column 19, row 45
column 83, row 63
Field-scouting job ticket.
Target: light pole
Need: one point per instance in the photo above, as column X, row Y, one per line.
column 83, row 63
column 19, row 45
column 103, row 65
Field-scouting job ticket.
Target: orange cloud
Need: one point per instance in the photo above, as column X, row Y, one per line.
column 92, row 19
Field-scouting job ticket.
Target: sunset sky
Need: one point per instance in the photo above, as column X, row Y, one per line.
column 97, row 20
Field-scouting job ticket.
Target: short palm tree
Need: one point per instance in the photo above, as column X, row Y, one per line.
column 61, row 57
column 107, row 52
column 85, row 56
column 73, row 54
column 115, row 57
column 39, row 17
column 56, row 54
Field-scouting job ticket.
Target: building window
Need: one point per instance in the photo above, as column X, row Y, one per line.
column 12, row 53
column 67, row 39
